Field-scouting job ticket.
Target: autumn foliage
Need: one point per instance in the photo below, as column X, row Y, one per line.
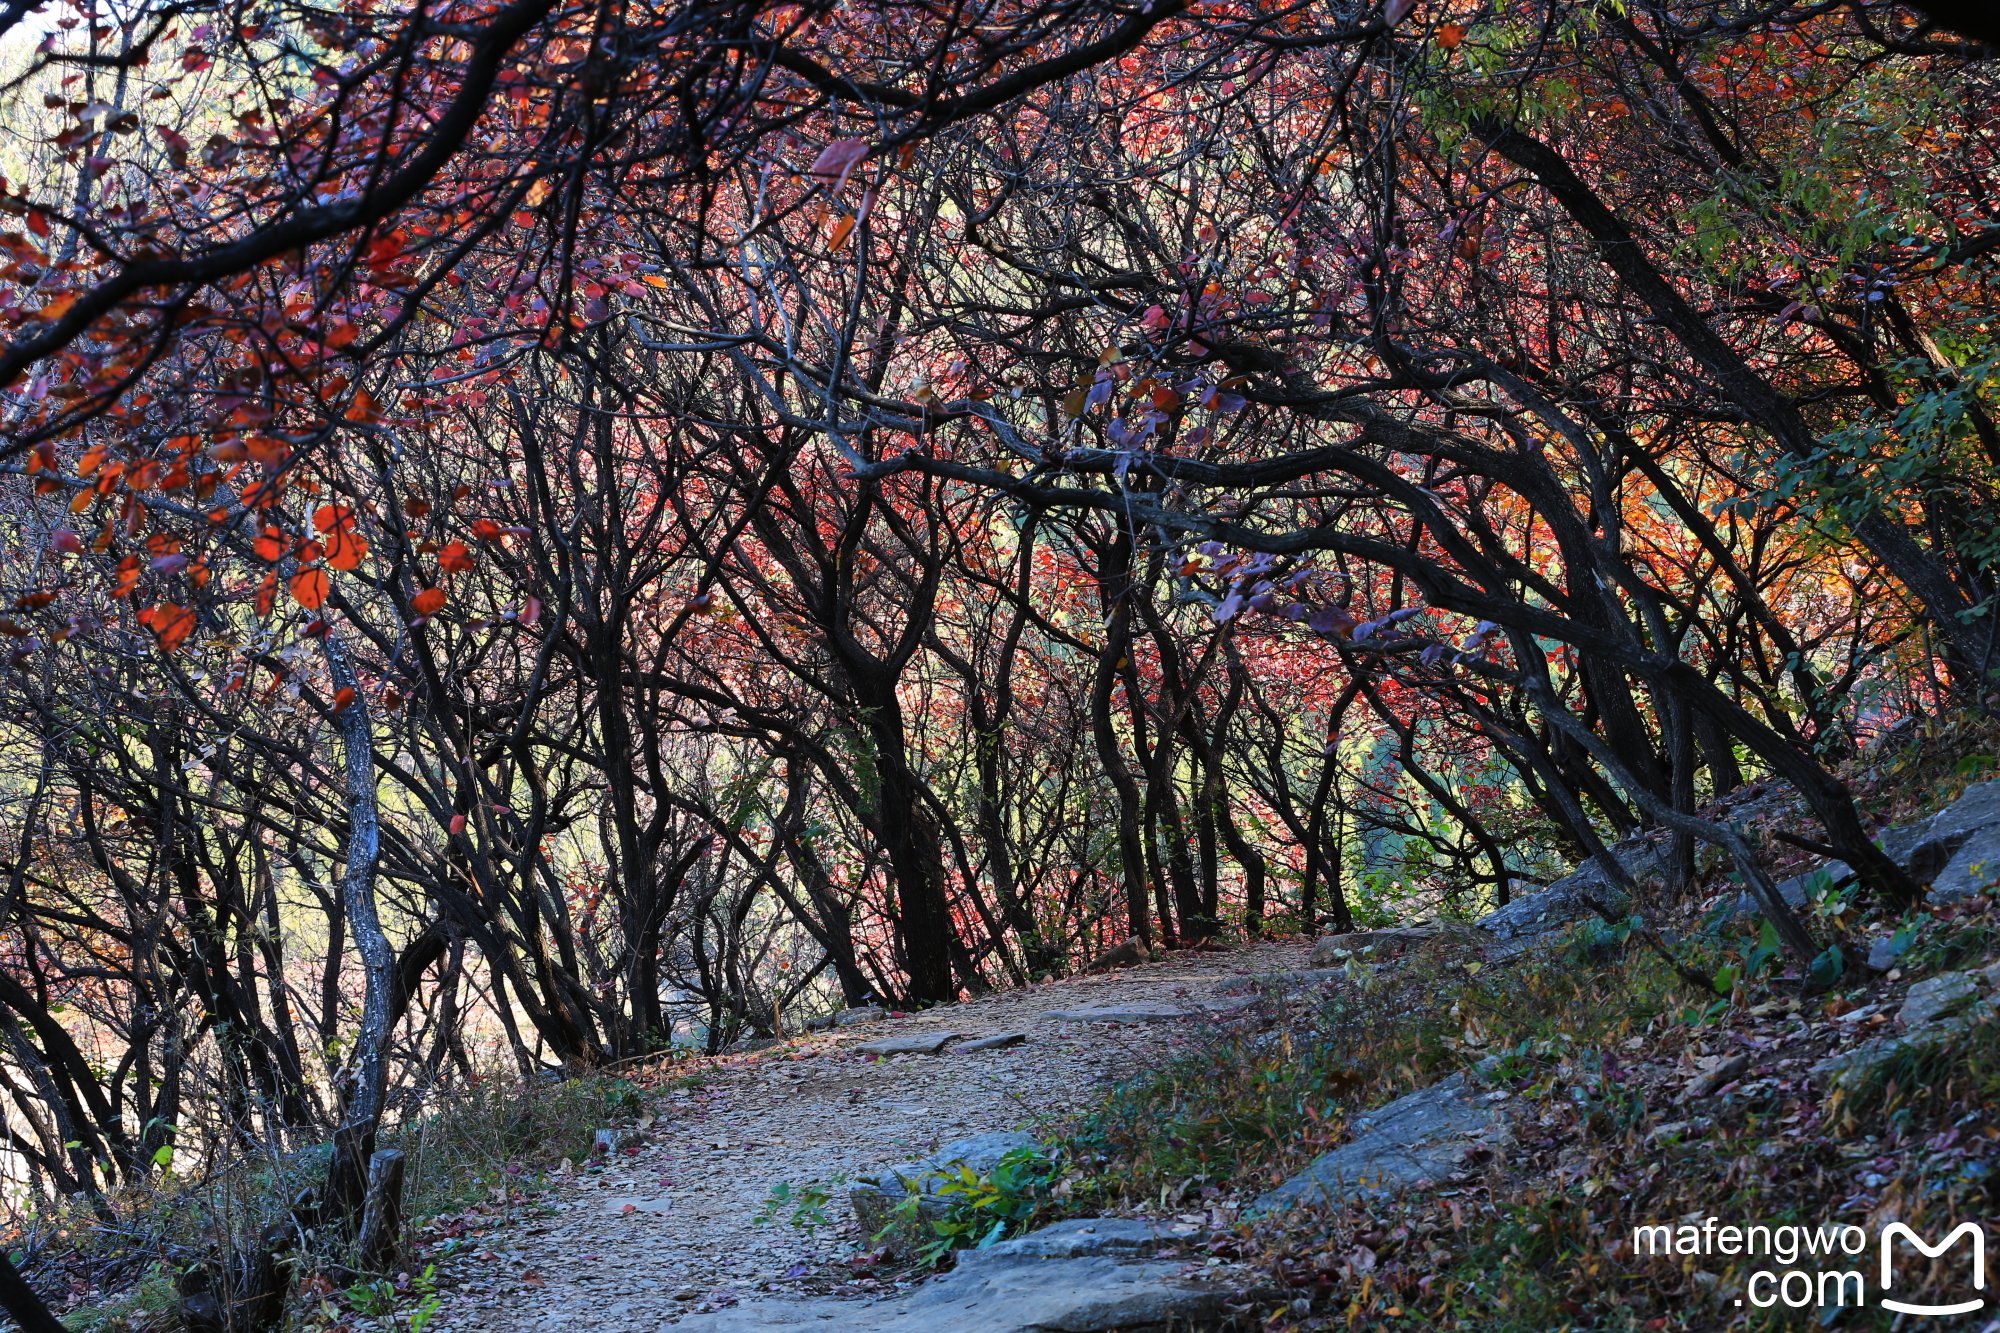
column 567, row 526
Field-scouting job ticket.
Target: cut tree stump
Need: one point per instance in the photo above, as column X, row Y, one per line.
column 381, row 1239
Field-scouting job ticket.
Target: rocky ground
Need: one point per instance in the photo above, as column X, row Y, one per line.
column 669, row 1226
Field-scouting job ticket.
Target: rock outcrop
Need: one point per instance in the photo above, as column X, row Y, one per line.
column 1937, row 1012
column 1088, row 1275
column 1423, row 1137
column 1562, row 902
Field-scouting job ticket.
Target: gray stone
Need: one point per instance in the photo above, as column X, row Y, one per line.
column 1973, row 868
column 1003, row 1292
column 1883, row 951
column 1562, row 902
column 867, row 1013
column 1948, row 849
column 1939, row 997
column 1118, row 1013
column 999, row 1043
column 1421, row 1137
column 909, row 1043
column 1857, row 1068
column 1078, row 1238
column 1334, row 949
column 875, row 1194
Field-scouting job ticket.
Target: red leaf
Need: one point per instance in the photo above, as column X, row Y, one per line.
column 428, row 602
column 345, row 548
column 172, row 624
column 458, row 823
column 342, row 697
column 271, row 545
column 65, row 541
column 486, row 530
column 455, row 559
column 128, row 576
column 309, row 588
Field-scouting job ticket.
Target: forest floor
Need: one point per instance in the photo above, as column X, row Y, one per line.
column 670, row 1224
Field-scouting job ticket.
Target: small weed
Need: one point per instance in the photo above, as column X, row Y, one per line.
column 806, row 1205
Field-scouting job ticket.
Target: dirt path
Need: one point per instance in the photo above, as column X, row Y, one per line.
column 669, row 1229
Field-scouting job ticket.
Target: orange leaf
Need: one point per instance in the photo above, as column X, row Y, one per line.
column 841, row 229
column 428, row 602
column 57, row 307
column 328, row 517
column 342, row 697
column 172, row 624
column 271, row 545
column 345, row 548
column 1450, row 35
column 267, row 594
column 309, row 588
column 128, row 576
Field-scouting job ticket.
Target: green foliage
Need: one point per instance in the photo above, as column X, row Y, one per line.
column 803, row 1207
column 965, row 1210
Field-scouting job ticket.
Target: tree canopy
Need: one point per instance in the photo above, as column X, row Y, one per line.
column 600, row 525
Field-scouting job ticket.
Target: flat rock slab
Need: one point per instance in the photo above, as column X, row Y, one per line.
column 639, row 1206
column 1418, row 1138
column 999, row 1043
column 1080, row 1276
column 1119, row 1013
column 1940, row 997
column 910, row 1043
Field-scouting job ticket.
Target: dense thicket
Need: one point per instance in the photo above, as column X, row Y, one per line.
column 540, row 529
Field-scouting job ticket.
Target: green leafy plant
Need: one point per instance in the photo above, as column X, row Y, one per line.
column 966, row 1210
column 806, row 1204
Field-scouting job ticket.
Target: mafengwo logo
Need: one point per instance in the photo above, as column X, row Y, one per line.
column 1965, row 1231
column 1908, row 1263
